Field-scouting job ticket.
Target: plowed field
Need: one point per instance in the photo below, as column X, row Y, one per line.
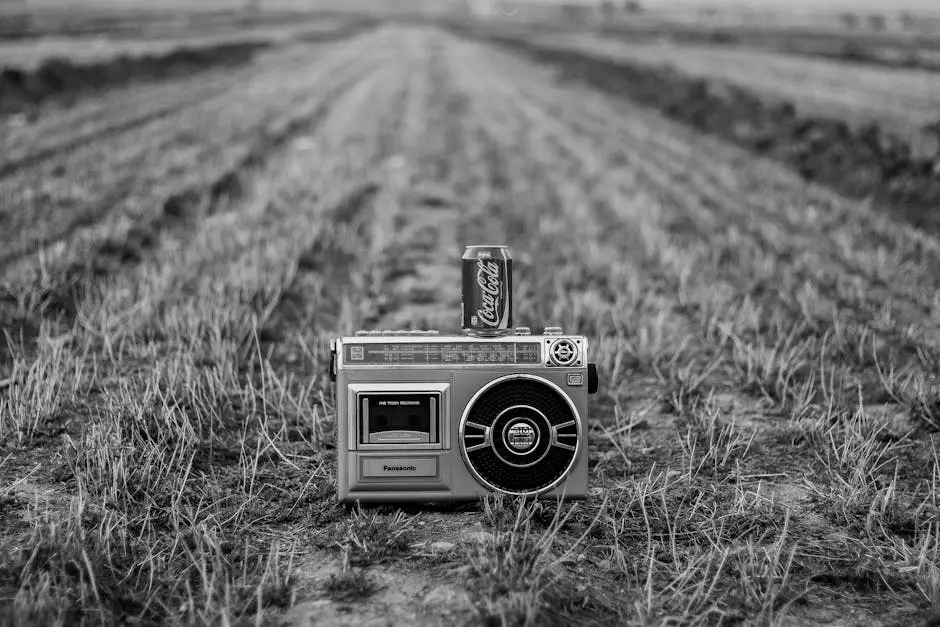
column 174, row 258
column 903, row 100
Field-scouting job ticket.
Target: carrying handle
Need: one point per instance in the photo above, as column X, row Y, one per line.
column 592, row 378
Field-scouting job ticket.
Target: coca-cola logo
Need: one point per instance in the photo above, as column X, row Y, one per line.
column 491, row 288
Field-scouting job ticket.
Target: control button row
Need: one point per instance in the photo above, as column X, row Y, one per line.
column 405, row 332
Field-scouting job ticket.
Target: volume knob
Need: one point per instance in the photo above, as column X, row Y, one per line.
column 553, row 331
column 523, row 331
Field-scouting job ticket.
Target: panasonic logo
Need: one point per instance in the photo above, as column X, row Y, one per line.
column 387, row 468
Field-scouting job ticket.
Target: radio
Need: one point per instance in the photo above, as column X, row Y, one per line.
column 425, row 417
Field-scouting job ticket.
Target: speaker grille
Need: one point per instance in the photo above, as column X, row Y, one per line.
column 519, row 436
column 563, row 352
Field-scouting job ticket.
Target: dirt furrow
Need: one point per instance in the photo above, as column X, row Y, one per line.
column 59, row 79
column 282, row 188
column 215, row 288
column 97, row 115
column 418, row 255
column 82, row 173
column 802, row 259
column 184, row 208
column 161, row 164
column 670, row 176
column 739, row 181
column 335, row 283
column 135, row 123
column 812, row 219
column 73, row 291
column 230, row 186
column 755, row 276
column 816, row 148
column 573, row 243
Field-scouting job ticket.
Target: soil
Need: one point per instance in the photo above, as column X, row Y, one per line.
column 22, row 91
column 901, row 52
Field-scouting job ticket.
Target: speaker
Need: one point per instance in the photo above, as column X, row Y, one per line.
column 520, row 434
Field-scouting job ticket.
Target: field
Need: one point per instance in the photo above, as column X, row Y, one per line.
column 903, row 100
column 29, row 54
column 176, row 254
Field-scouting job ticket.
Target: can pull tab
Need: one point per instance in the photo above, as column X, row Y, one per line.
column 592, row 378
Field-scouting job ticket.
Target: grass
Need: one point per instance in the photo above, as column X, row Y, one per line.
column 762, row 448
column 709, row 445
column 371, row 538
column 40, row 388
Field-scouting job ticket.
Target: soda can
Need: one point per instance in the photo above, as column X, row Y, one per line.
column 486, row 299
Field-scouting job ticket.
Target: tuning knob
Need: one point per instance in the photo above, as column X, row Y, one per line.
column 523, row 331
column 553, row 331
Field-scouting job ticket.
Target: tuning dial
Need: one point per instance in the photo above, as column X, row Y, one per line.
column 553, row 331
column 523, row 331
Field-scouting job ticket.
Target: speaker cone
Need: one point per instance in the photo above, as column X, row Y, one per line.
column 520, row 435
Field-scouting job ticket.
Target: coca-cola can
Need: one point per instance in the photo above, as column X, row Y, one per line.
column 486, row 302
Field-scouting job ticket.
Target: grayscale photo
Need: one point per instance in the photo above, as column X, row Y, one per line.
column 470, row 313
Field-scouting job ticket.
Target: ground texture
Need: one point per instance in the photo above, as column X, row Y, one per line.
column 175, row 257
